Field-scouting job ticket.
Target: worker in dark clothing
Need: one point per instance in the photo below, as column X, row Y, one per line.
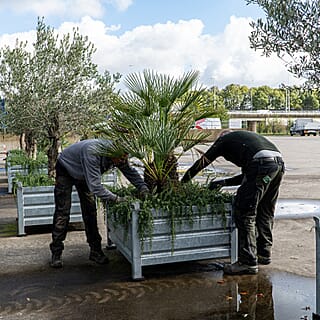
column 81, row 166
column 262, row 169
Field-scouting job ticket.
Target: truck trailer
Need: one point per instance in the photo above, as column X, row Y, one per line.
column 305, row 127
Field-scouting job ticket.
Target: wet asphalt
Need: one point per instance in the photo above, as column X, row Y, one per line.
column 30, row 289
column 175, row 291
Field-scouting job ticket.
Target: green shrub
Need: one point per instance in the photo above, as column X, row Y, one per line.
column 34, row 180
column 176, row 203
column 19, row 157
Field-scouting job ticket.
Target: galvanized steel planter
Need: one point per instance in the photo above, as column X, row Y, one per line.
column 36, row 206
column 12, row 171
column 208, row 237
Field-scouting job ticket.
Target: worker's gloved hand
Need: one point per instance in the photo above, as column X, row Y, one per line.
column 186, row 178
column 122, row 199
column 144, row 193
column 215, row 185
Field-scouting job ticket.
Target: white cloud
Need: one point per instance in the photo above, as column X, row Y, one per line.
column 11, row 39
column 177, row 47
column 231, row 60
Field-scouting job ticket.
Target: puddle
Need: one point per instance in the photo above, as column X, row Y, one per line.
column 187, row 291
column 294, row 296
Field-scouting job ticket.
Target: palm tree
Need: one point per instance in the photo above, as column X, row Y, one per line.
column 152, row 122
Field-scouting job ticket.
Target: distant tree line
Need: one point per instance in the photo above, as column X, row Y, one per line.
column 284, row 98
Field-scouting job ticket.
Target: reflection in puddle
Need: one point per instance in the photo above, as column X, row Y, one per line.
column 275, row 296
column 265, row 296
column 279, row 296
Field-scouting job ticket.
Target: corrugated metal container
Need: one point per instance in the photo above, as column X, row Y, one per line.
column 36, row 206
column 12, row 171
column 207, row 237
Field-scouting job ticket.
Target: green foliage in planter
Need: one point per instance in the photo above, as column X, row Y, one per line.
column 177, row 204
column 19, row 157
column 15, row 154
column 31, row 169
column 33, row 180
column 14, row 157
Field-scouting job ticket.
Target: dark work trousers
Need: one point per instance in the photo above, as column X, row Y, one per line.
column 254, row 208
column 62, row 196
column 256, row 297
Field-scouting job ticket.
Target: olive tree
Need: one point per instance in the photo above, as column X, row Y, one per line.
column 15, row 86
column 54, row 89
column 292, row 31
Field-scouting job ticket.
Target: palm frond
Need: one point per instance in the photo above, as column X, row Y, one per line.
column 193, row 138
column 154, row 118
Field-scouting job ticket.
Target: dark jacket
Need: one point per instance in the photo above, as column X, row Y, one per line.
column 238, row 147
column 83, row 163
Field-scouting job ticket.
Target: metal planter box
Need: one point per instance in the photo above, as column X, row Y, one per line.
column 12, row 171
column 208, row 237
column 36, row 206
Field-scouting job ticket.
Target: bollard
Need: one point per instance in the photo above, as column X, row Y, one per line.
column 317, row 231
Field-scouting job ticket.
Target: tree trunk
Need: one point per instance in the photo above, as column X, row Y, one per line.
column 168, row 176
column 21, row 141
column 54, row 145
column 52, row 154
column 30, row 144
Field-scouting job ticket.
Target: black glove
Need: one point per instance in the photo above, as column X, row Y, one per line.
column 144, row 193
column 214, row 185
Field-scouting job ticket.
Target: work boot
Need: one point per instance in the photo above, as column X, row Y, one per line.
column 98, row 256
column 110, row 245
column 264, row 260
column 240, row 268
column 56, row 261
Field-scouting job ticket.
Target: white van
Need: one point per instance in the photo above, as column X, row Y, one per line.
column 208, row 123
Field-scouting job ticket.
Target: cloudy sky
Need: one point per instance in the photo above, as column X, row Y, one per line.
column 169, row 36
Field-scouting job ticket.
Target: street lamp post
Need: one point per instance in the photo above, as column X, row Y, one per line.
column 288, row 99
column 287, row 91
